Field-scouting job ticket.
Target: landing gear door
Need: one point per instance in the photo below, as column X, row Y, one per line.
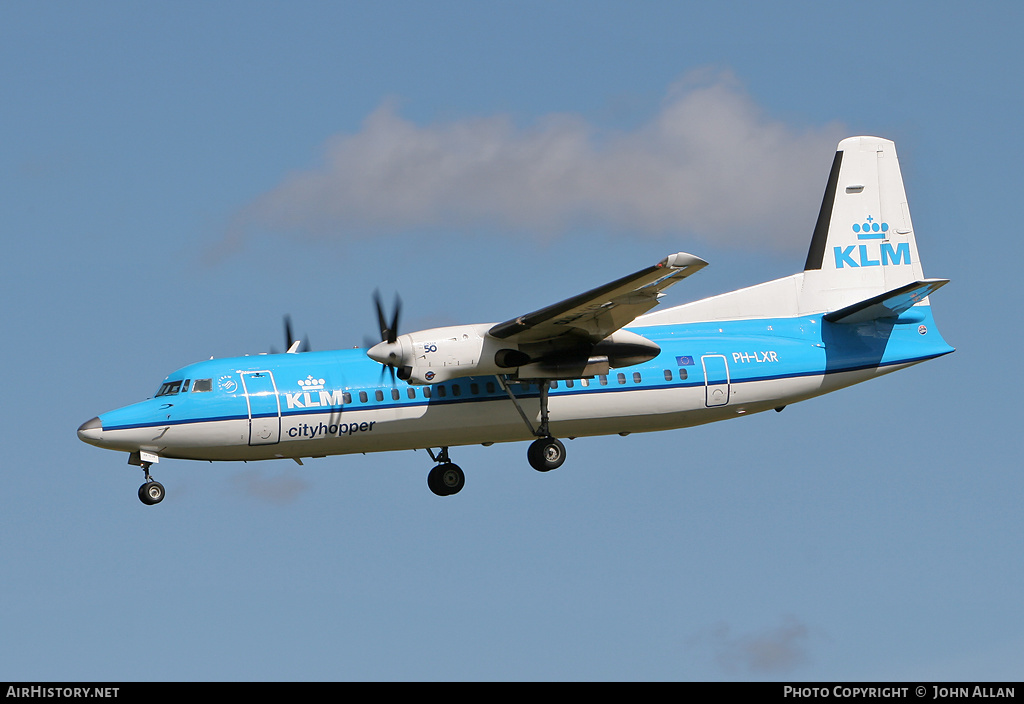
column 716, row 380
column 264, row 407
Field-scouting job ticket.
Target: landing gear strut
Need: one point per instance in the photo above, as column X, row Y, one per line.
column 446, row 478
column 546, row 452
column 152, row 492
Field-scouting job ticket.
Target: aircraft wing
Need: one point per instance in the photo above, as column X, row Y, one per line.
column 596, row 314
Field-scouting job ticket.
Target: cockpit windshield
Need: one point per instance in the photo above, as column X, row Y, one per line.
column 169, row 388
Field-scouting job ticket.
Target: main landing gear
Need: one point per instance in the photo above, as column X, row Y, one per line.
column 544, row 454
column 446, row 478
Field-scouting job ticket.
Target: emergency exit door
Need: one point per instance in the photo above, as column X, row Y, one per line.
column 716, row 380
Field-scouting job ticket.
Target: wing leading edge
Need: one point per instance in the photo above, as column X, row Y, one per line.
column 598, row 313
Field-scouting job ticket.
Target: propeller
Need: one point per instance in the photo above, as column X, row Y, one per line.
column 387, row 352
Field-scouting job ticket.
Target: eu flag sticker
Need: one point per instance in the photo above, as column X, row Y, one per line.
column 684, row 361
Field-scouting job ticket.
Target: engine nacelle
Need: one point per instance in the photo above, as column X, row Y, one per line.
column 439, row 354
column 620, row 349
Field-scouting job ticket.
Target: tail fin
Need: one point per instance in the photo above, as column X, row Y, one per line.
column 863, row 243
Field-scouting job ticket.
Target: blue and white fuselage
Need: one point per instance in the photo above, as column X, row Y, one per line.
column 328, row 403
column 596, row 364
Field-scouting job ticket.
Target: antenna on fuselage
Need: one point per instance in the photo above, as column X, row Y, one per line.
column 291, row 344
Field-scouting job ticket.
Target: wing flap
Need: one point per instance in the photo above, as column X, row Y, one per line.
column 598, row 313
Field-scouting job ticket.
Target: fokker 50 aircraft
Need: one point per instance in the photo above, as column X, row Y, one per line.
column 594, row 364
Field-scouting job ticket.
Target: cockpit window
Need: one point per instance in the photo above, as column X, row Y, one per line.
column 169, row 388
column 202, row 385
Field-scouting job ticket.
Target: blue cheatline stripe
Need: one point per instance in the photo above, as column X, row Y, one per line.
column 698, row 381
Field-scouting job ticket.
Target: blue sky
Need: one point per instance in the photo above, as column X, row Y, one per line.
column 176, row 179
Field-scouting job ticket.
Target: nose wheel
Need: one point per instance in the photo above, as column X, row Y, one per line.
column 152, row 492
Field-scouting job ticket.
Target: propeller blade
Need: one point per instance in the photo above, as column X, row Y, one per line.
column 382, row 324
column 388, row 333
column 393, row 330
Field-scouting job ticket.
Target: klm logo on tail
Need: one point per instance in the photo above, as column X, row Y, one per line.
column 875, row 252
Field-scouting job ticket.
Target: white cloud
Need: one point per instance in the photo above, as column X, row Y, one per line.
column 280, row 489
column 709, row 164
column 776, row 650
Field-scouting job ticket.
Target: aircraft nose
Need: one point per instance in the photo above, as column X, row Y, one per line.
column 91, row 430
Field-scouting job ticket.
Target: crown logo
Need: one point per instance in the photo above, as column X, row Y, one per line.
column 871, row 230
column 311, row 384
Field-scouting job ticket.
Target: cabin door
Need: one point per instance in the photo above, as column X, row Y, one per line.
column 264, row 408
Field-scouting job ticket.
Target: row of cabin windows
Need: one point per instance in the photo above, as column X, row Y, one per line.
column 171, row 388
column 490, row 388
column 410, row 392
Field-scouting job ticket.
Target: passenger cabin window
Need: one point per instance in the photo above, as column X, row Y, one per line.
column 201, row 385
column 636, row 377
column 362, row 397
column 169, row 388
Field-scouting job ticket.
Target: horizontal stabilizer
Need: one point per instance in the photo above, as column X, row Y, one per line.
column 887, row 305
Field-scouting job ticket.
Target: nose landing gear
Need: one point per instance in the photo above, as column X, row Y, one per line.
column 151, row 492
